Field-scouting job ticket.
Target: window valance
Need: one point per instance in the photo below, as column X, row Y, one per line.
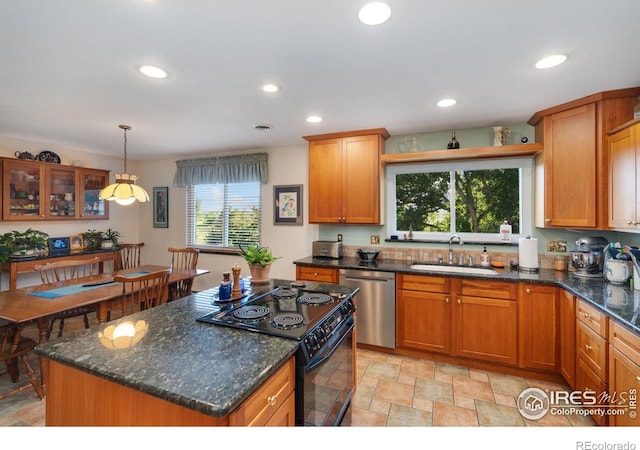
column 245, row 168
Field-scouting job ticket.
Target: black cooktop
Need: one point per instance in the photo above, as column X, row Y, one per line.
column 286, row 312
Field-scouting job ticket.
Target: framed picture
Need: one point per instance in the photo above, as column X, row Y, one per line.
column 288, row 205
column 161, row 207
column 77, row 244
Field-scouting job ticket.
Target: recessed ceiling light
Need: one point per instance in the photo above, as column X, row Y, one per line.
column 153, row 71
column 446, row 102
column 374, row 13
column 270, row 88
column 551, row 61
column 261, row 127
column 314, row 119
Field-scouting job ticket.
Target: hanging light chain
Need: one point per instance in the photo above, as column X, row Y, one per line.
column 125, row 128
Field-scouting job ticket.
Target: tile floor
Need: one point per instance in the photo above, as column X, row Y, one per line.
column 393, row 391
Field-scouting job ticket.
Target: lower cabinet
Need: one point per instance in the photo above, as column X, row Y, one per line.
column 624, row 375
column 539, row 327
column 462, row 317
column 567, row 337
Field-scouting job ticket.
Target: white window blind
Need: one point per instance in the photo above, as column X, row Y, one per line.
column 224, row 216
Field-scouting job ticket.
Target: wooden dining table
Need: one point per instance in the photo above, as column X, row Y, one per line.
column 27, row 304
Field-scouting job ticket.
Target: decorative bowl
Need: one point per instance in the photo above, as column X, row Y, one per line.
column 368, row 255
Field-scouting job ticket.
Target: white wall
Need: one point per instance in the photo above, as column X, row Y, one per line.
column 287, row 165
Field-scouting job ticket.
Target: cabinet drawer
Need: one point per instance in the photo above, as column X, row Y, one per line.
column 625, row 341
column 488, row 289
column 592, row 348
column 424, row 283
column 267, row 400
column 588, row 381
column 593, row 318
column 323, row 274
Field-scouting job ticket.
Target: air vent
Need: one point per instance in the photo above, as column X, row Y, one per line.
column 261, row 127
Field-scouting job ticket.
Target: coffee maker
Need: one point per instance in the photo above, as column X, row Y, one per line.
column 588, row 258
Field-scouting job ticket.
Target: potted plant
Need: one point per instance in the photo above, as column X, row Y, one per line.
column 27, row 243
column 92, row 240
column 259, row 260
column 110, row 238
column 6, row 247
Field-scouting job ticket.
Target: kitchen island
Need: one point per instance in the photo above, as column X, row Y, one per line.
column 205, row 371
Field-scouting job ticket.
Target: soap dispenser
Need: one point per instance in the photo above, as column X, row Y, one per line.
column 505, row 231
column 484, row 258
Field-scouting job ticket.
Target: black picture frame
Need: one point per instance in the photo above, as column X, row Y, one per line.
column 288, row 203
column 161, row 207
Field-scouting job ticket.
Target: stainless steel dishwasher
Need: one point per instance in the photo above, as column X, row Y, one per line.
column 376, row 305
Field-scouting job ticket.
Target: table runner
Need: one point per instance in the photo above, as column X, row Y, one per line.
column 76, row 288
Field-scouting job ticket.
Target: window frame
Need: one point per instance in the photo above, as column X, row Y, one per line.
column 524, row 164
column 190, row 218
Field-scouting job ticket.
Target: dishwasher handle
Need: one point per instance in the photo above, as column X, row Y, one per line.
column 366, row 275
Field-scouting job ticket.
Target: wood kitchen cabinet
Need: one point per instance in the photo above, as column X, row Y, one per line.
column 624, row 374
column 345, row 177
column 567, row 336
column 572, row 170
column 462, row 317
column 33, row 190
column 624, row 177
column 317, row 274
column 539, row 327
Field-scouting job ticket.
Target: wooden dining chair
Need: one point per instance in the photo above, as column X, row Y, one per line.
column 14, row 346
column 143, row 291
column 63, row 271
column 182, row 258
column 129, row 256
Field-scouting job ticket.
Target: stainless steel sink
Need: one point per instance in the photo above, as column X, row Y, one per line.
column 453, row 269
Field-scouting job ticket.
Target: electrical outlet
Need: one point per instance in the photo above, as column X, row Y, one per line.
column 375, row 238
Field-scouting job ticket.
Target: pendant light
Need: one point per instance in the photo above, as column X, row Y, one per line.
column 124, row 191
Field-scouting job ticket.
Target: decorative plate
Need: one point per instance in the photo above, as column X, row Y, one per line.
column 47, row 156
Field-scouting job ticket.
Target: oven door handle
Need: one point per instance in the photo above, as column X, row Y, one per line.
column 319, row 359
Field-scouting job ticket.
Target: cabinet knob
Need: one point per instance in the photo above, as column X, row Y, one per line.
column 315, row 274
column 271, row 400
column 631, row 222
column 446, row 300
column 459, row 301
column 587, row 315
column 587, row 347
column 638, row 378
column 547, row 220
column 528, row 291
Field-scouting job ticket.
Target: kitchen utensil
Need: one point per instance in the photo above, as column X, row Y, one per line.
column 368, row 254
column 24, row 155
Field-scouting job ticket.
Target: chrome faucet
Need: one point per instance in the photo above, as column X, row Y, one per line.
column 451, row 239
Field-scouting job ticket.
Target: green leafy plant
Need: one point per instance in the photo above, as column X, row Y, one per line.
column 92, row 239
column 23, row 242
column 254, row 254
column 111, row 235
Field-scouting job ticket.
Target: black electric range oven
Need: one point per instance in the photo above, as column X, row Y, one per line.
column 323, row 323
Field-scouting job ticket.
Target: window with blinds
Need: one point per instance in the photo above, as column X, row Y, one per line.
column 224, row 216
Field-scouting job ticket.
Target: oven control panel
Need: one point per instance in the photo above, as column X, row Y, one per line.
column 322, row 333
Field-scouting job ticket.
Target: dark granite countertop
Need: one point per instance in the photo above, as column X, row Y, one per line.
column 207, row 368
column 618, row 301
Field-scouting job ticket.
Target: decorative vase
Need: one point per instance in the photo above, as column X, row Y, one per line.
column 259, row 274
column 500, row 136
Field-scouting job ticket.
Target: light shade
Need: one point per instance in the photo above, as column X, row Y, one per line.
column 124, row 191
column 124, row 335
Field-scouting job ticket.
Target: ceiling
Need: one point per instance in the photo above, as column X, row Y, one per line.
column 68, row 68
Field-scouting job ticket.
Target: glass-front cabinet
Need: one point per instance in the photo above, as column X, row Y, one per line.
column 23, row 186
column 34, row 190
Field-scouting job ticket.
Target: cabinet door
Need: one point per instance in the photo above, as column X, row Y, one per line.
column 361, row 180
column 570, row 155
column 588, row 381
column 486, row 329
column 325, row 181
column 423, row 320
column 539, row 327
column 568, row 337
column 89, row 203
column 23, row 190
column 61, row 193
column 622, row 180
column 624, row 379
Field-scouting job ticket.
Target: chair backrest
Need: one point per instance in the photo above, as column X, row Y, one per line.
column 184, row 258
column 66, row 270
column 129, row 256
column 143, row 291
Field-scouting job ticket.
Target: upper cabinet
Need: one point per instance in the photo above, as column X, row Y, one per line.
column 624, row 177
column 572, row 174
column 33, row 190
column 345, row 177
